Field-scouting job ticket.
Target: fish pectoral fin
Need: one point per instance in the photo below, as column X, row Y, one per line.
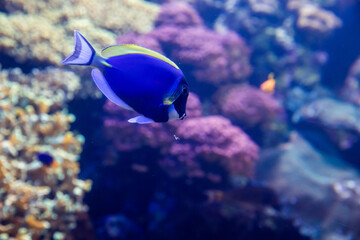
column 104, row 87
column 140, row 120
column 167, row 102
column 170, row 100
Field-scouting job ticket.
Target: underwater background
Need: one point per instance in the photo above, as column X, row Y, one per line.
column 270, row 147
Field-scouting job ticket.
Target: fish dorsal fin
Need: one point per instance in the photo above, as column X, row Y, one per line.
column 117, row 50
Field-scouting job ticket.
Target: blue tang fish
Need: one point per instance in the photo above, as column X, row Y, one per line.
column 45, row 158
column 135, row 78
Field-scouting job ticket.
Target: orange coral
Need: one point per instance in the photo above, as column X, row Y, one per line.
column 31, row 28
column 34, row 223
column 31, row 194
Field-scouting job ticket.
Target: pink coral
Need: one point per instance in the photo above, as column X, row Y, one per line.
column 179, row 14
column 216, row 58
column 211, row 140
column 193, row 106
column 247, row 106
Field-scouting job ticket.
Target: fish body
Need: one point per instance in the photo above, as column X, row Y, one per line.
column 46, row 159
column 135, row 78
column 269, row 85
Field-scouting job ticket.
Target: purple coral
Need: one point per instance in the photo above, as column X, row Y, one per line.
column 178, row 14
column 211, row 140
column 247, row 106
column 193, row 106
column 188, row 146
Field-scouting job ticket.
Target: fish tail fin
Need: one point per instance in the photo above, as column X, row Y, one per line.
column 83, row 53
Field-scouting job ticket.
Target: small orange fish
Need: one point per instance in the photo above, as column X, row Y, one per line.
column 54, row 164
column 269, row 85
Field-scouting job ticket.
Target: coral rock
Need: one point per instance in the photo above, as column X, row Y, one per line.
column 320, row 189
column 340, row 120
column 351, row 90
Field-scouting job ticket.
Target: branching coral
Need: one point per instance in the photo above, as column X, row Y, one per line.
column 41, row 31
column 314, row 19
column 269, row 7
column 38, row 201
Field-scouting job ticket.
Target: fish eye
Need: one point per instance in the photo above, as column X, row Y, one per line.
column 185, row 90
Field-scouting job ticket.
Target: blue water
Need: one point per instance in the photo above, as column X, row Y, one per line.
column 247, row 163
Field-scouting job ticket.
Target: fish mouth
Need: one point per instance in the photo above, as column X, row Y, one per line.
column 183, row 116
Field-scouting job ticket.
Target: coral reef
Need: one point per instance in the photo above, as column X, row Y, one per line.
column 325, row 200
column 175, row 163
column 178, row 14
column 253, row 203
column 41, row 32
column 39, row 201
column 228, row 176
column 268, row 7
column 207, row 56
column 340, row 120
column 314, row 19
column 351, row 89
column 190, row 147
column 247, row 106
column 211, row 140
column 280, row 38
column 119, row 227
